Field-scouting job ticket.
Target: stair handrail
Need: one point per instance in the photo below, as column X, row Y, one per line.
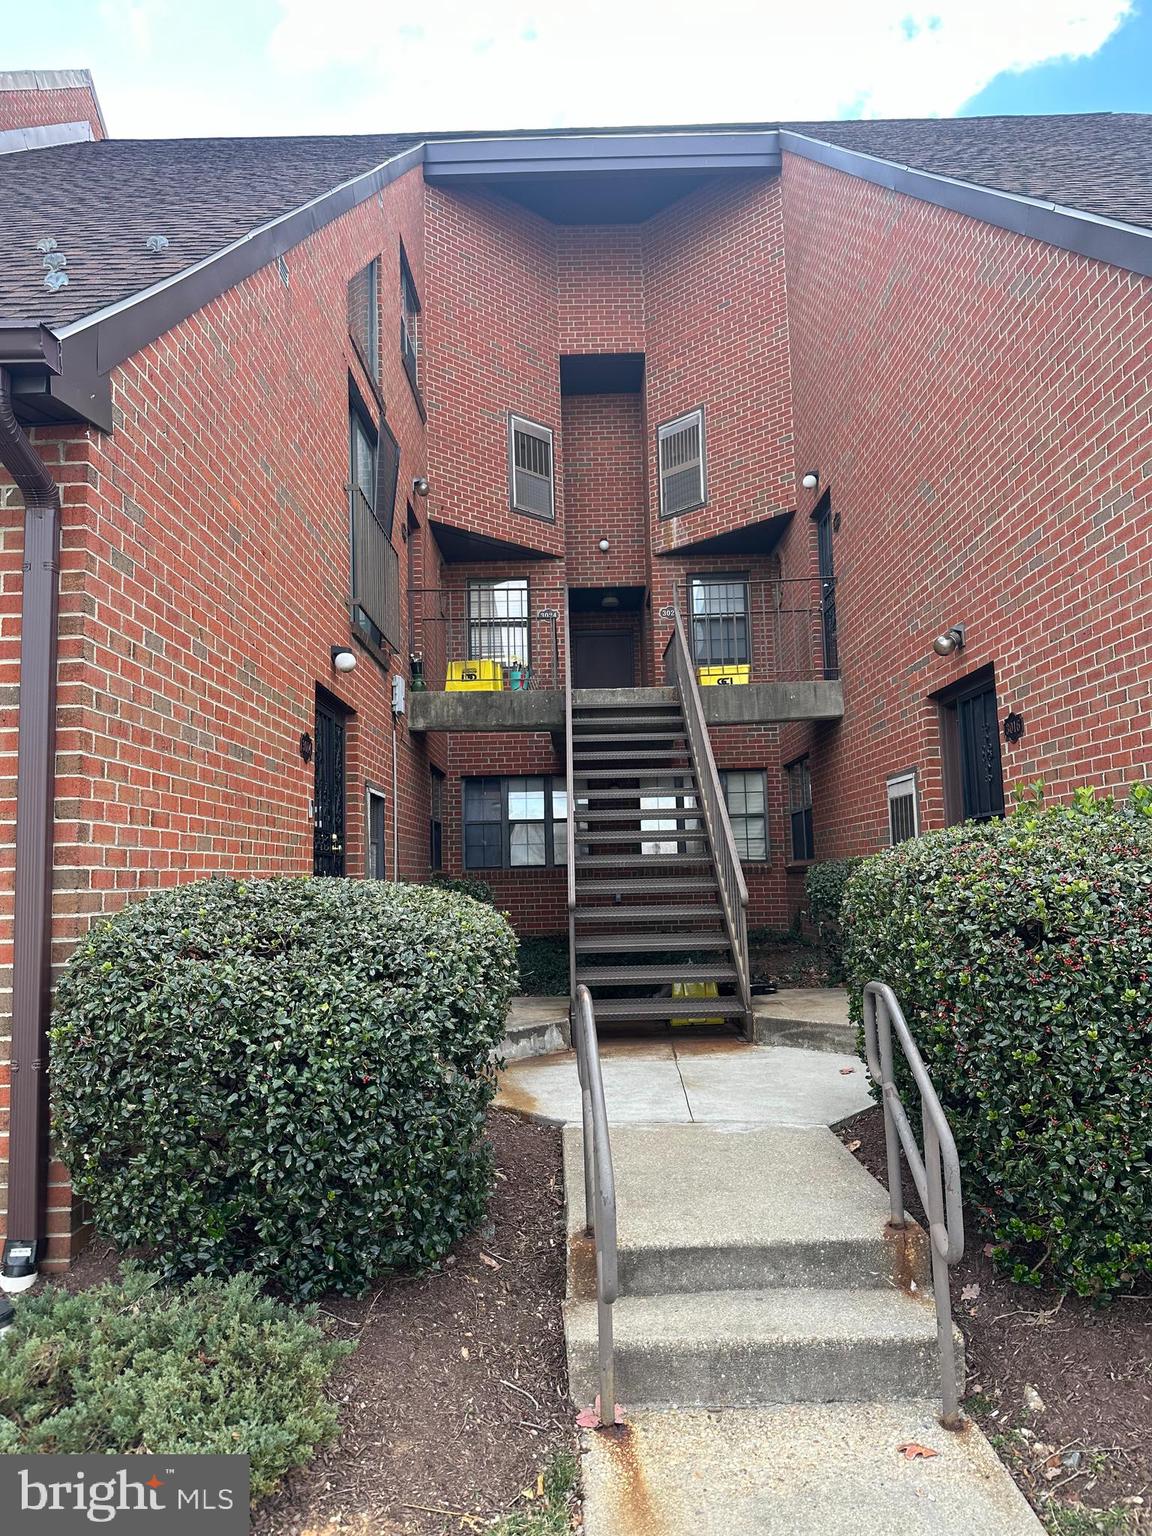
column 570, row 789
column 935, row 1172
column 599, row 1192
column 679, row 669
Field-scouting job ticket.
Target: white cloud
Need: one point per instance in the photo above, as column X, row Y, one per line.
column 564, row 62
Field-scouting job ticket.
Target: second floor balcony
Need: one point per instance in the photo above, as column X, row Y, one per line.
column 492, row 654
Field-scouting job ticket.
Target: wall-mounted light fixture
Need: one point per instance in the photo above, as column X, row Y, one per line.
column 343, row 658
column 420, row 485
column 951, row 641
column 811, row 480
column 603, row 546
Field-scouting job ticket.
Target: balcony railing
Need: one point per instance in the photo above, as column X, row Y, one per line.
column 517, row 627
column 761, row 631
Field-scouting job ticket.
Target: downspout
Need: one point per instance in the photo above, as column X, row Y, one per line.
column 32, row 921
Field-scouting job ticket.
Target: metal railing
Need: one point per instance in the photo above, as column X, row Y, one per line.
column 570, row 802
column 783, row 630
column 599, row 1192
column 936, row 1173
column 515, row 625
column 680, row 672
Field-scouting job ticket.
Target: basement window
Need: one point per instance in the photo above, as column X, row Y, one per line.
column 530, row 470
column 364, row 317
column 680, row 449
column 903, row 814
column 800, row 811
column 514, row 823
column 746, row 795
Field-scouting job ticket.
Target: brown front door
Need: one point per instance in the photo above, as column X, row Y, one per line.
column 602, row 659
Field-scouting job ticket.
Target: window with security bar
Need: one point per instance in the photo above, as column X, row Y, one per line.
column 364, row 316
column 719, row 620
column 800, row 811
column 530, row 470
column 903, row 815
column 680, row 448
column 498, row 622
column 745, row 795
column 514, row 823
column 436, row 820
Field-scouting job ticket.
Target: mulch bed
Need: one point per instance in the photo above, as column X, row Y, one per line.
column 456, row 1395
column 787, row 960
column 1062, row 1387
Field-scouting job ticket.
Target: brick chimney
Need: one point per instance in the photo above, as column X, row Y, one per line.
column 48, row 106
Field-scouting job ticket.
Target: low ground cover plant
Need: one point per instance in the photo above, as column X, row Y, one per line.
column 285, row 1076
column 213, row 1367
column 1021, row 953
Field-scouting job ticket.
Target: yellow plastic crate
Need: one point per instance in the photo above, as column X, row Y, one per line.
column 695, row 989
column 474, row 677
column 712, row 677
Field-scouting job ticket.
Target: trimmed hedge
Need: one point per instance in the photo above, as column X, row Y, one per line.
column 285, row 1076
column 825, row 885
column 1021, row 953
column 212, row 1368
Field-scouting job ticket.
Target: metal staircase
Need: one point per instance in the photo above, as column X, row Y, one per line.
column 655, row 892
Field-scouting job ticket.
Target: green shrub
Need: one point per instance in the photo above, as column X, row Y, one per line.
column 825, row 884
column 286, row 1076
column 464, row 885
column 211, row 1368
column 544, row 965
column 1021, row 953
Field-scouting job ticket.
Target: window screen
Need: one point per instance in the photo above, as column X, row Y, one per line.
column 681, row 450
column 531, row 467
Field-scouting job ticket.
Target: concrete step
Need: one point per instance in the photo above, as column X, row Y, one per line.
column 747, row 1208
column 830, row 1469
column 739, row 1349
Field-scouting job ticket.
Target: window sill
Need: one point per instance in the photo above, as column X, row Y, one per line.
column 798, row 866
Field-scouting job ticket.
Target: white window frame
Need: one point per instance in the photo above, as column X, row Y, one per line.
column 543, row 434
column 670, row 429
column 902, row 786
column 740, row 819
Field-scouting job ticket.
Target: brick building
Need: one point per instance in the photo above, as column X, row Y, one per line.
column 319, row 421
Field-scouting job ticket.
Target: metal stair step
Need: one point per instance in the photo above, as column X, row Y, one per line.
column 617, row 1009
column 643, row 860
column 604, row 755
column 645, row 943
column 665, row 772
column 664, row 835
column 649, row 813
column 594, row 793
column 644, row 885
column 616, row 737
column 662, row 914
column 640, row 975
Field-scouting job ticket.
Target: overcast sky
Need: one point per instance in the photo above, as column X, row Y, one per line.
column 354, row 66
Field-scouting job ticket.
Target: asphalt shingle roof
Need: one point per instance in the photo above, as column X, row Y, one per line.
column 101, row 201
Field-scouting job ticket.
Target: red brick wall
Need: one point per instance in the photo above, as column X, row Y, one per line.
column 600, row 288
column 604, row 490
column 718, row 337
column 205, row 577
column 975, row 403
column 38, row 109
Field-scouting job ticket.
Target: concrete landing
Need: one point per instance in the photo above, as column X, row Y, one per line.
column 711, row 1081
column 536, row 1026
column 814, row 1018
column 831, row 1469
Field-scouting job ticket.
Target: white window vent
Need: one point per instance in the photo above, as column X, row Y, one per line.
column 903, row 814
column 530, row 472
column 681, row 448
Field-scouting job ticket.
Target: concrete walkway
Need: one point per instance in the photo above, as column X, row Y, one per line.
column 694, row 1081
column 775, row 1340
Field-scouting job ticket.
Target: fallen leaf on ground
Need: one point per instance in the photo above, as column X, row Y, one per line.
column 847, row 1071
column 970, row 1293
column 588, row 1418
column 913, row 1452
column 486, row 1258
column 854, row 1146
